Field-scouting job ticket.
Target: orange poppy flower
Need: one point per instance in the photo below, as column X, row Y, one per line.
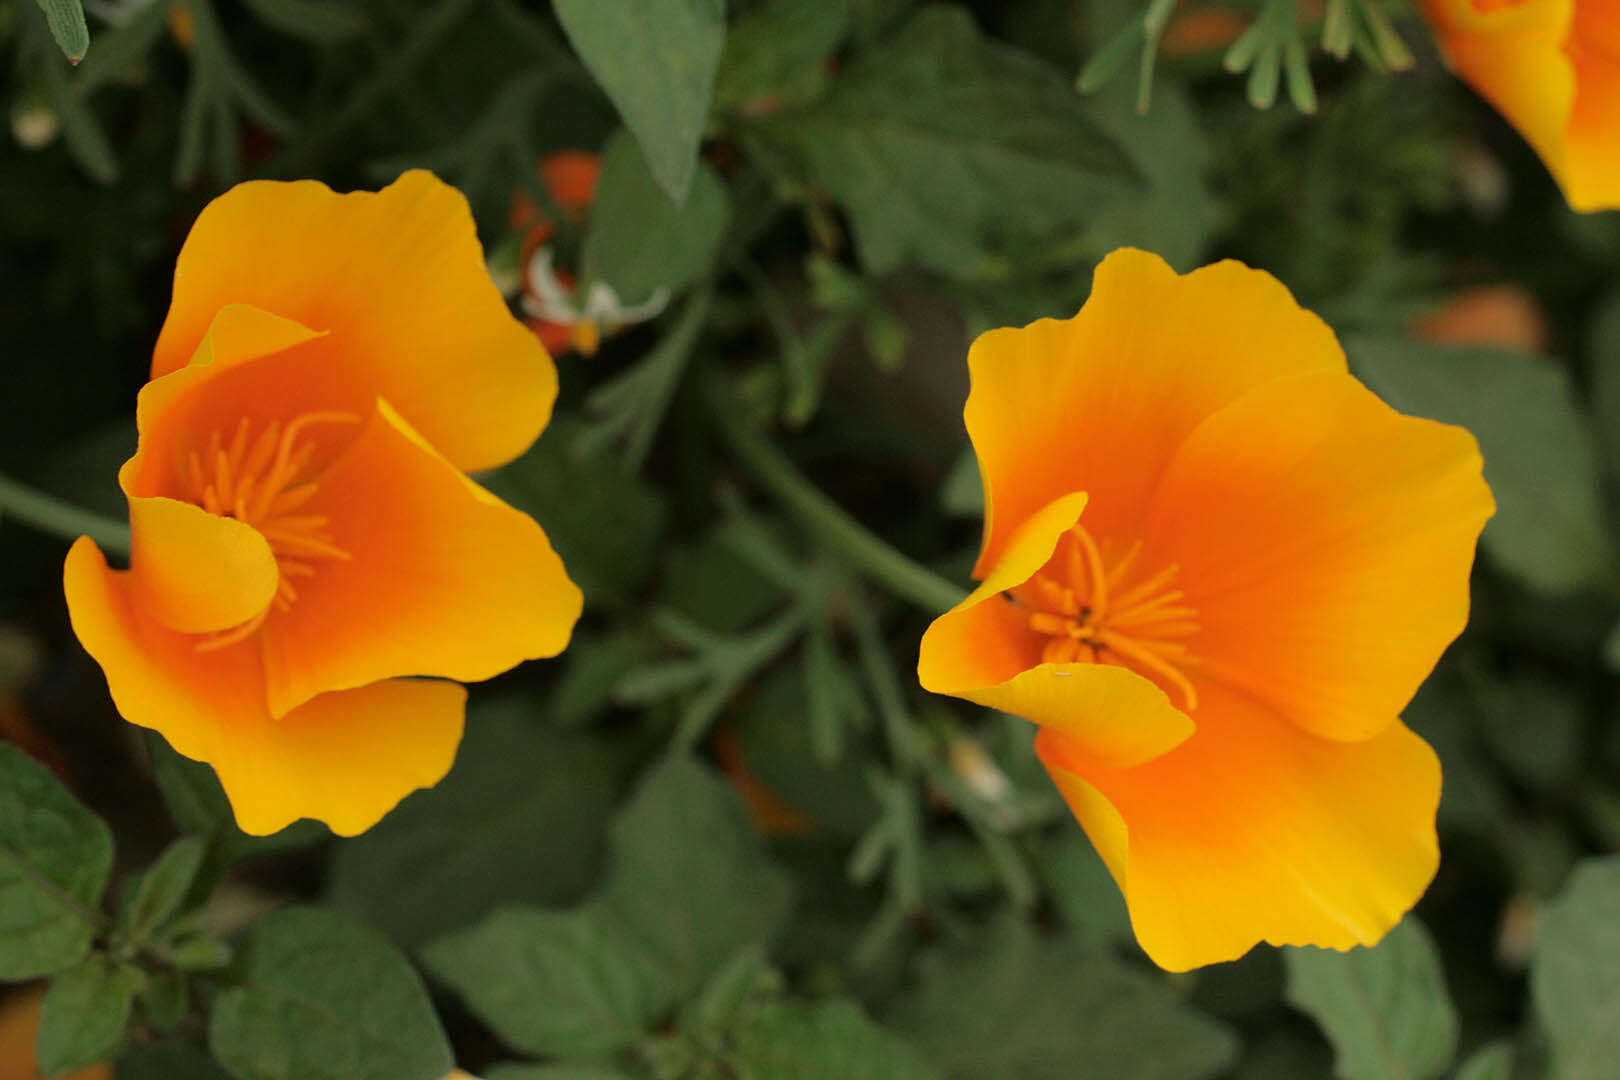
column 304, row 534
column 1215, row 568
column 1552, row 68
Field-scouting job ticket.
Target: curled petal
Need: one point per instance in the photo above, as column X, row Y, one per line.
column 983, row 650
column 196, row 572
column 345, row 759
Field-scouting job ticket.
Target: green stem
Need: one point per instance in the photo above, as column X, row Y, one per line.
column 50, row 514
column 875, row 558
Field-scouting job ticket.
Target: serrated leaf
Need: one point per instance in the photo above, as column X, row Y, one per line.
column 325, row 998
column 1386, row 1009
column 164, row 886
column 1540, row 455
column 943, row 146
column 830, row 1040
column 84, row 1014
column 690, row 882
column 519, row 820
column 54, row 860
column 1575, row 973
column 638, row 242
column 66, row 20
column 1011, row 1005
column 657, row 62
column 553, row 984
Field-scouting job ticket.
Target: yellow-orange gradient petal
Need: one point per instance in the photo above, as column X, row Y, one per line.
column 197, row 572
column 439, row 577
column 345, row 759
column 983, row 650
column 1593, row 147
column 398, row 279
column 1552, row 68
column 169, row 410
column 1325, row 542
column 1058, row 406
column 1254, row 830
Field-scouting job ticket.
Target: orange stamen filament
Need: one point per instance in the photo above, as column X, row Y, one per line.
column 263, row 485
column 1094, row 616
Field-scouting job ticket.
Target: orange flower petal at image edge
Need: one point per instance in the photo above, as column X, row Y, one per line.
column 1215, row 569
column 1552, row 68
column 306, row 544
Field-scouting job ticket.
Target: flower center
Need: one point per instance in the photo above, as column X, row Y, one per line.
column 1092, row 612
column 264, row 483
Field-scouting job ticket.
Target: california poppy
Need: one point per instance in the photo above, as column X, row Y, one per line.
column 1215, row 568
column 305, row 536
column 1552, row 68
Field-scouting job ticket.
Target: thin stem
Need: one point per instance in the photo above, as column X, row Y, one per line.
column 50, row 514
column 873, row 556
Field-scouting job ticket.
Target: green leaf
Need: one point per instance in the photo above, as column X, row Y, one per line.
column 638, row 242
column 830, row 1040
column 779, row 49
column 316, row 20
column 657, row 62
column 1491, row 1062
column 164, row 886
column 519, row 820
column 172, row 1059
column 66, row 20
column 945, row 147
column 1575, row 973
column 54, row 860
column 552, row 984
column 606, row 526
column 326, row 998
column 165, row 999
column 1604, row 352
column 690, row 881
column 1385, row 1009
column 559, row 1072
column 84, row 1014
column 1178, row 213
column 1011, row 1005
column 1540, row 455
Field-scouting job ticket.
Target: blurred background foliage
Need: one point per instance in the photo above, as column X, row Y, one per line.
column 725, row 835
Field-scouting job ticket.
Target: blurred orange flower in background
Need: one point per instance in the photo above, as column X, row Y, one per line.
column 19, row 1026
column 1552, row 68
column 303, row 532
column 1215, row 569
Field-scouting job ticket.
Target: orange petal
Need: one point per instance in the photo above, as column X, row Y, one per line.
column 1254, row 830
column 1514, row 58
column 442, row 577
column 1592, row 150
column 1057, row 406
column 1325, row 541
column 399, row 280
column 171, row 410
column 196, row 572
column 984, row 651
column 345, row 759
